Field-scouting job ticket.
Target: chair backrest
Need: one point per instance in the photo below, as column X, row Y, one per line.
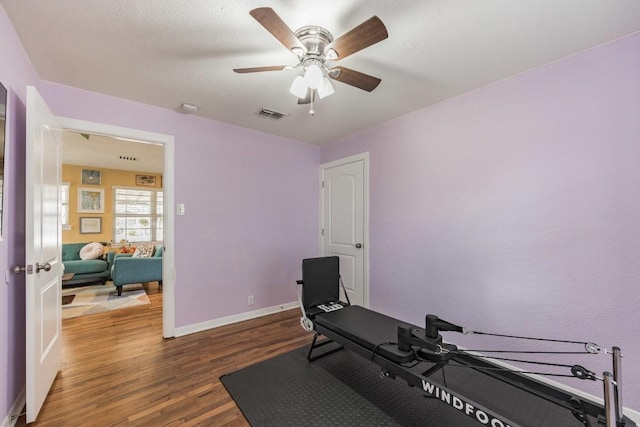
column 320, row 281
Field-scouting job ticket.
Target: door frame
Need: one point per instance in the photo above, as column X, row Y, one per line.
column 364, row 157
column 168, row 257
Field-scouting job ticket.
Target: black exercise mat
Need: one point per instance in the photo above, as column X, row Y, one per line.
column 344, row 389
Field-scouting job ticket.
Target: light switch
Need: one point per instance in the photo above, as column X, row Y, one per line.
column 180, row 209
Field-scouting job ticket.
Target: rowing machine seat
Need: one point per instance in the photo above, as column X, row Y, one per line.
column 320, row 293
column 320, row 286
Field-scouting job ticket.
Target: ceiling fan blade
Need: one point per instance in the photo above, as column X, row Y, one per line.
column 270, row 20
column 260, row 69
column 307, row 99
column 355, row 78
column 364, row 35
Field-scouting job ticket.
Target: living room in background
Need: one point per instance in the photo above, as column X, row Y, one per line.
column 119, row 154
column 111, row 179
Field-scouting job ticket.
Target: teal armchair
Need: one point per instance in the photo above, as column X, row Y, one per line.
column 127, row 270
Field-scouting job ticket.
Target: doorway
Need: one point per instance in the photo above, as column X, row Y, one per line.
column 167, row 177
column 42, row 239
column 111, row 200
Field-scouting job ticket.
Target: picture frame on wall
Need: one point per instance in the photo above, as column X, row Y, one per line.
column 90, row 225
column 90, row 200
column 91, row 177
column 146, row 180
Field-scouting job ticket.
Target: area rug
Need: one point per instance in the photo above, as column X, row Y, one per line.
column 344, row 389
column 100, row 298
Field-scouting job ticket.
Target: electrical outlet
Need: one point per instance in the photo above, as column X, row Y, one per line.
column 250, row 300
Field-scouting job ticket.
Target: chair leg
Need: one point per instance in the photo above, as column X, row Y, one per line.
column 160, row 283
column 315, row 344
column 119, row 290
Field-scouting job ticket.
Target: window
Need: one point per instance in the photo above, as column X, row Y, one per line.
column 64, row 205
column 137, row 215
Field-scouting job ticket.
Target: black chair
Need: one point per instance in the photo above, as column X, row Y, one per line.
column 320, row 293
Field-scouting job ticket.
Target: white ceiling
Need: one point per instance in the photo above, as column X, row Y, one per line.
column 105, row 152
column 167, row 52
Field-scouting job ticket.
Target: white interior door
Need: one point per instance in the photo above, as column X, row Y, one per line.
column 43, row 252
column 344, row 229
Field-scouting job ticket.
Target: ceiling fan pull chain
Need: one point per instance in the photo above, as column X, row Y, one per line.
column 311, row 110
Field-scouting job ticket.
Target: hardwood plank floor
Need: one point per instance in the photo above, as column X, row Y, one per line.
column 118, row 370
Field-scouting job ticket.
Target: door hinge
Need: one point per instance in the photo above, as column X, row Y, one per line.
column 322, row 184
column 323, row 231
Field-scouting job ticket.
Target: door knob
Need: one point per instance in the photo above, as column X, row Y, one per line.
column 358, row 245
column 46, row 267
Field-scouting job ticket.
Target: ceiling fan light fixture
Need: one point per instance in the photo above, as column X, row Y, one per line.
column 299, row 87
column 325, row 89
column 314, row 76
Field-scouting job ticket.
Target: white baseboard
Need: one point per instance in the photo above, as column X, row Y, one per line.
column 15, row 409
column 216, row 323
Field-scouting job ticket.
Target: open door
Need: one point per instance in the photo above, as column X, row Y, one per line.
column 43, row 252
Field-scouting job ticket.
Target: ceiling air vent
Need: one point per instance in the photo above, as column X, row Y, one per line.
column 271, row 114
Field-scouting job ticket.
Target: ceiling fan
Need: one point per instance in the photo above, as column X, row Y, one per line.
column 314, row 46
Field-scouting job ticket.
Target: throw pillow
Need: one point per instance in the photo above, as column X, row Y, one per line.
column 91, row 251
column 144, row 251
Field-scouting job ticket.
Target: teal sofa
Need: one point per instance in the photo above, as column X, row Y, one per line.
column 84, row 270
column 127, row 270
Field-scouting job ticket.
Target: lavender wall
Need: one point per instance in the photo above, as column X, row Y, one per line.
column 251, row 204
column 513, row 208
column 516, row 208
column 16, row 72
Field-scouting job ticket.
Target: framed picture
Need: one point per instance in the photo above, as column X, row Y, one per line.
column 90, row 225
column 91, row 177
column 90, row 200
column 146, row 180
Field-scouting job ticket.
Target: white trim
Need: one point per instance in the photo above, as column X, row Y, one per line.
column 6, row 165
column 125, row 187
column 15, row 409
column 223, row 321
column 364, row 157
column 168, row 267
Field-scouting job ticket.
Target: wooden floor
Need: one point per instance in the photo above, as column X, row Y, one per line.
column 118, row 370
